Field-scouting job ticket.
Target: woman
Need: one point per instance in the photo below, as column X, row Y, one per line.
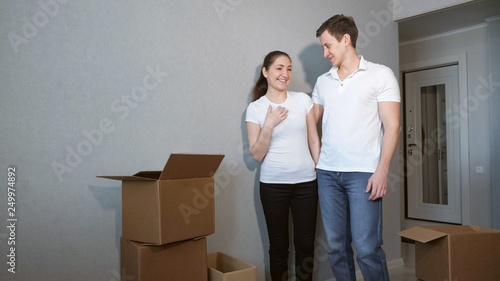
column 282, row 134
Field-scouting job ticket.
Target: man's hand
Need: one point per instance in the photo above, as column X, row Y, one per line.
column 389, row 113
column 377, row 184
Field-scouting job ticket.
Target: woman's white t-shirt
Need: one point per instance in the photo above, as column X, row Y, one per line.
column 288, row 159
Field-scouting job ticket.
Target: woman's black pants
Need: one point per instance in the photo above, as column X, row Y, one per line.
column 277, row 201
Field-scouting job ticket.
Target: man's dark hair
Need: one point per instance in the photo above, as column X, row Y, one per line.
column 339, row 25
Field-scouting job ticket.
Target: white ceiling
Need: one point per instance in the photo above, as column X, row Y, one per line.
column 449, row 19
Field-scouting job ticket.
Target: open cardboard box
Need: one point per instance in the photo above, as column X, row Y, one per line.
column 186, row 260
column 160, row 207
column 222, row 267
column 455, row 252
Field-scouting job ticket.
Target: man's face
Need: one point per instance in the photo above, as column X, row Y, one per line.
column 332, row 49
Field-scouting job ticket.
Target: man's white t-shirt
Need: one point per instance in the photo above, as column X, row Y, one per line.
column 288, row 159
column 352, row 128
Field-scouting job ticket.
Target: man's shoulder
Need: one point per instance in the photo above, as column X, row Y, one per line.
column 327, row 74
column 377, row 67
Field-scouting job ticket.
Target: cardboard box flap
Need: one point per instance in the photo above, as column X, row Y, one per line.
column 149, row 174
column 461, row 229
column 483, row 230
column 126, row 178
column 421, row 234
column 183, row 166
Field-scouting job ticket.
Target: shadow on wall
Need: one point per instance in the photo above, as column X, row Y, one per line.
column 110, row 199
column 253, row 165
column 313, row 63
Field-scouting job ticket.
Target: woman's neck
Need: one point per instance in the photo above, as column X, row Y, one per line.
column 276, row 96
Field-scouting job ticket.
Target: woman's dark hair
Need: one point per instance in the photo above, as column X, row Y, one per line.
column 339, row 25
column 260, row 87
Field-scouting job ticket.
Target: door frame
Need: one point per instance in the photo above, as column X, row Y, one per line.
column 461, row 60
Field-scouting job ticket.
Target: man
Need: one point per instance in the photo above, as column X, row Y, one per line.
column 359, row 104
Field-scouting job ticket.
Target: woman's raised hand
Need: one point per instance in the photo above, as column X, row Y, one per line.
column 274, row 117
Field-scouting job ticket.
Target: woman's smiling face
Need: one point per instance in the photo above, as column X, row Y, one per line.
column 279, row 73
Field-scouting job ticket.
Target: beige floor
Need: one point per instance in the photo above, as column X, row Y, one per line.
column 403, row 273
column 407, row 271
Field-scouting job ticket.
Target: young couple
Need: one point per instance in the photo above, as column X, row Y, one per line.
column 358, row 102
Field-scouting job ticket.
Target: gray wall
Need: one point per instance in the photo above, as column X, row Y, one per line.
column 473, row 42
column 494, row 68
column 113, row 87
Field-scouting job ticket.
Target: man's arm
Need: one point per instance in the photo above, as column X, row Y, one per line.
column 389, row 114
column 312, row 136
column 318, row 112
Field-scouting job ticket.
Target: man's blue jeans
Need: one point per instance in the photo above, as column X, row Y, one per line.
column 348, row 216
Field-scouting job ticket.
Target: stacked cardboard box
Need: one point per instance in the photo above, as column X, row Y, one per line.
column 165, row 216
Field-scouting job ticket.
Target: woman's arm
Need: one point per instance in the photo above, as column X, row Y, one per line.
column 260, row 139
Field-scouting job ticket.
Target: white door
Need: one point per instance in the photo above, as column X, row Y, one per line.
column 432, row 140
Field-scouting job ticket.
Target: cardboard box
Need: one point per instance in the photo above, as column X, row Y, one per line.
column 222, row 267
column 458, row 252
column 186, row 260
column 160, row 207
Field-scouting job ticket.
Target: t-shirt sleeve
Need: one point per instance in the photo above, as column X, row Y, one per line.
column 251, row 115
column 315, row 94
column 308, row 103
column 389, row 88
